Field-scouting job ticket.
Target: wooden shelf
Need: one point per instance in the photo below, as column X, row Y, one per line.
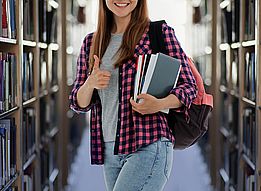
column 223, row 174
column 224, row 46
column 223, row 89
column 54, row 46
column 42, row 51
column 29, row 102
column 54, row 175
column 8, row 113
column 236, row 45
column 234, row 93
column 6, row 187
column 224, row 131
column 29, row 161
column 29, row 43
column 224, row 4
column 248, row 101
column 46, row 188
column 8, row 40
column 233, row 55
column 43, row 94
column 54, row 89
column 248, row 161
column 52, row 133
column 53, row 4
column 42, row 45
column 231, row 188
column 249, row 43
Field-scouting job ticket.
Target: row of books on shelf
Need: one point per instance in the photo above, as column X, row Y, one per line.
column 235, row 70
column 47, row 21
column 230, row 21
column 249, row 133
column 7, row 19
column 249, row 181
column 29, row 179
column 8, row 81
column 8, row 78
column 48, row 165
column 250, row 76
column 29, row 133
column 250, row 19
column 28, row 75
column 8, row 150
column 249, row 73
column 49, row 69
column 48, row 113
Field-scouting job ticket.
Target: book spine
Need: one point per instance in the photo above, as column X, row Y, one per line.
column 253, row 83
column 25, row 75
column 1, row 83
column 12, row 18
column 31, row 75
column 4, row 20
column 8, row 150
column 1, row 14
column 7, row 87
column 15, row 81
column 1, row 158
column 11, row 87
column 8, row 14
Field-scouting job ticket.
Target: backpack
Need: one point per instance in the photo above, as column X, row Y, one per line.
column 186, row 133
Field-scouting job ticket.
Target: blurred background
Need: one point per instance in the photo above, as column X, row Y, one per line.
column 45, row 146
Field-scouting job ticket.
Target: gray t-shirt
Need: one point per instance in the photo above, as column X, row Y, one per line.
column 110, row 95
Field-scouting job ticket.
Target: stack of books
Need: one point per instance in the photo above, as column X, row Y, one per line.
column 7, row 19
column 157, row 74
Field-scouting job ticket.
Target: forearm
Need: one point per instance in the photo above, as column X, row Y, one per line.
column 84, row 94
column 171, row 101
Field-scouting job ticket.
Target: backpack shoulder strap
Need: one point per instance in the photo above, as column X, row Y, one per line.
column 156, row 37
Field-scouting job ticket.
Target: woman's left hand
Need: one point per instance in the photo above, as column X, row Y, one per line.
column 149, row 104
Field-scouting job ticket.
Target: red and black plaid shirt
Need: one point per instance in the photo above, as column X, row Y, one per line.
column 133, row 129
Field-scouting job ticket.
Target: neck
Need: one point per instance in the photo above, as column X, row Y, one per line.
column 121, row 24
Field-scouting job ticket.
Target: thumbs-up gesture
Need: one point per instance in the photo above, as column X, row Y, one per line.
column 99, row 78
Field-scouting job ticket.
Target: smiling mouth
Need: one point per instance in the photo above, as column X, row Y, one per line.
column 121, row 4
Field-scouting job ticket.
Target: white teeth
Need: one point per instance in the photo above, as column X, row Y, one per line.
column 121, row 4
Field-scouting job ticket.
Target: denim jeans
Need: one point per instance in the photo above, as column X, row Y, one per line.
column 147, row 169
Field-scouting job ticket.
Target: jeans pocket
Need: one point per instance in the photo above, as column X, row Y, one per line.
column 169, row 159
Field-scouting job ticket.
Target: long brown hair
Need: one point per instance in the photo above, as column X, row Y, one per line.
column 137, row 26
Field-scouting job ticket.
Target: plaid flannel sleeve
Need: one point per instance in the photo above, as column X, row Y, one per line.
column 81, row 76
column 186, row 88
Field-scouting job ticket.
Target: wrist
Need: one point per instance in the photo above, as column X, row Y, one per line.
column 171, row 101
column 88, row 84
column 162, row 104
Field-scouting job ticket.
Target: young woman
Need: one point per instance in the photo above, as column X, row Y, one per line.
column 132, row 140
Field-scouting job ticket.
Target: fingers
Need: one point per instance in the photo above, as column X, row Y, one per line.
column 142, row 96
column 96, row 62
column 106, row 73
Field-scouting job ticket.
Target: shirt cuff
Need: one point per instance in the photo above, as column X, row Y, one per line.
column 74, row 105
column 181, row 94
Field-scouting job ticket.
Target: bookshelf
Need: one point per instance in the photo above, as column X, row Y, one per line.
column 31, row 99
column 236, row 78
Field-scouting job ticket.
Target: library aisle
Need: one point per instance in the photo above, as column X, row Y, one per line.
column 187, row 174
column 44, row 145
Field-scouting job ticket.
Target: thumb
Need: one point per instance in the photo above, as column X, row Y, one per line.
column 96, row 62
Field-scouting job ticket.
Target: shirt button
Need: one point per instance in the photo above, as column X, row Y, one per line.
column 119, row 119
column 118, row 135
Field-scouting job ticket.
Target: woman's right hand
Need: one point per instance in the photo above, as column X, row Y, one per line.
column 99, row 79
